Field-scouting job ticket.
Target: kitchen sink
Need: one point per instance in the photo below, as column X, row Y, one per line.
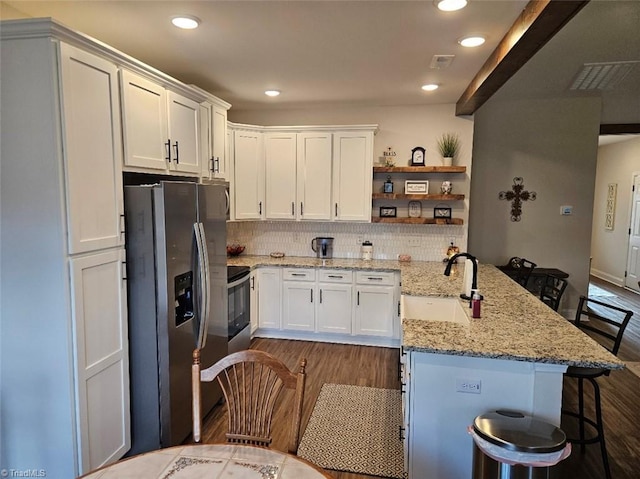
column 434, row 309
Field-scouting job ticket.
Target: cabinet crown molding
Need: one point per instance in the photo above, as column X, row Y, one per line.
column 303, row 128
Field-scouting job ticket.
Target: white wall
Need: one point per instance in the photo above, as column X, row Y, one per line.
column 609, row 248
column 552, row 145
column 402, row 128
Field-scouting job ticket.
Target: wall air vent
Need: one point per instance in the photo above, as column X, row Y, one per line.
column 440, row 62
column 601, row 76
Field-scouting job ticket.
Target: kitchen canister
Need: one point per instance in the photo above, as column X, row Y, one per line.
column 367, row 250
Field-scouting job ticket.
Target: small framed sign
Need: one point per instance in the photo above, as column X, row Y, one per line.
column 442, row 212
column 388, row 211
column 412, row 187
column 415, row 209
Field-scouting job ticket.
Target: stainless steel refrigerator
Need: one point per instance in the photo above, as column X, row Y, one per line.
column 177, row 296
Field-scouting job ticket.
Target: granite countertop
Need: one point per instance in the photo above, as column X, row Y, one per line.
column 514, row 324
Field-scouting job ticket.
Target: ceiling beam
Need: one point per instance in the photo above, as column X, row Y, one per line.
column 537, row 24
column 619, row 128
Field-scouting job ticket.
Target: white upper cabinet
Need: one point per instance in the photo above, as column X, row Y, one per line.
column 161, row 128
column 314, row 176
column 352, row 175
column 92, row 151
column 280, row 175
column 213, row 141
column 248, row 190
column 183, row 133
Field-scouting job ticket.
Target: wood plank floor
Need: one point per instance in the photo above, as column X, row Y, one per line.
column 378, row 367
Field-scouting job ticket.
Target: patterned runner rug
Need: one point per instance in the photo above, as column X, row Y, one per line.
column 355, row 429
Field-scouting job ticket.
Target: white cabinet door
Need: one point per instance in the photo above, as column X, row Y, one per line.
column 374, row 310
column 102, row 358
column 183, row 133
column 219, row 142
column 92, row 151
column 269, row 297
column 352, row 176
column 248, row 175
column 314, row 176
column 280, row 175
column 334, row 308
column 253, row 301
column 298, row 301
column 144, row 106
column 206, row 155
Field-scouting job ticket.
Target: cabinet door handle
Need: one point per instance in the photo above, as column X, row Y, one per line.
column 177, row 153
column 260, row 208
column 320, row 296
column 293, row 208
column 358, row 300
column 311, row 294
column 401, row 433
column 124, row 271
column 168, row 145
column 337, row 276
column 398, row 308
column 217, row 165
column 301, row 209
column 374, row 278
column 336, row 209
column 298, row 274
column 253, row 282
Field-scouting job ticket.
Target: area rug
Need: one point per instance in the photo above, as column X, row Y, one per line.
column 355, row 429
column 634, row 367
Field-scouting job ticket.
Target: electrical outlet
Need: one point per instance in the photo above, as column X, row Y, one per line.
column 414, row 242
column 359, row 239
column 472, row 386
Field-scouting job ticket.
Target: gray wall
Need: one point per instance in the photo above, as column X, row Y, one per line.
column 552, row 145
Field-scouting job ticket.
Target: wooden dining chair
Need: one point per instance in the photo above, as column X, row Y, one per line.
column 251, row 382
column 606, row 323
column 552, row 290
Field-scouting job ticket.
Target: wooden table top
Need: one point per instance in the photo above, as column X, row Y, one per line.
column 211, row 461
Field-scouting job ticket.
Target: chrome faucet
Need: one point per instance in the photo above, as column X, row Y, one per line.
column 474, row 280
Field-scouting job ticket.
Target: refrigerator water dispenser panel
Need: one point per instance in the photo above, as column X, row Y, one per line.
column 183, row 284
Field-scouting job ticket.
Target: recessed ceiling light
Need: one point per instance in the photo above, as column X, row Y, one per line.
column 450, row 5
column 430, row 87
column 272, row 92
column 472, row 41
column 186, row 22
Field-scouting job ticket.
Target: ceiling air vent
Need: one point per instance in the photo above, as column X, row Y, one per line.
column 601, row 76
column 440, row 62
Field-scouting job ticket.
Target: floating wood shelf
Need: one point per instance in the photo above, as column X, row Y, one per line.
column 419, row 169
column 419, row 221
column 402, row 196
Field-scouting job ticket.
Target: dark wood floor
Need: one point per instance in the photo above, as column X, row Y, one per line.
column 378, row 367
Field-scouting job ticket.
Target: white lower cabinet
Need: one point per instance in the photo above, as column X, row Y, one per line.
column 102, row 356
column 328, row 305
column 375, row 304
column 298, row 302
column 333, row 310
column 269, row 297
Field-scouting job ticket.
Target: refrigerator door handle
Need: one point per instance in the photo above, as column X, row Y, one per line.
column 206, row 284
column 201, row 275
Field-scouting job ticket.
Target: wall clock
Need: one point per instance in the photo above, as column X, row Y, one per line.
column 443, row 212
column 417, row 156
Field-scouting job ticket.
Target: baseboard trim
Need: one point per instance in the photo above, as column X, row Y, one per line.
column 607, row 277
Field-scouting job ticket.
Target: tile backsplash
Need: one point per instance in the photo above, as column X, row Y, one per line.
column 422, row 242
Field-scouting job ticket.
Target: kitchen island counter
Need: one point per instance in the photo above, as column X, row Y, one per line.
column 515, row 325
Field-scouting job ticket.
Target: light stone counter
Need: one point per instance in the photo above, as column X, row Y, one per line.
column 514, row 324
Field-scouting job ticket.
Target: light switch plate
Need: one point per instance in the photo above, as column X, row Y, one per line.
column 566, row 210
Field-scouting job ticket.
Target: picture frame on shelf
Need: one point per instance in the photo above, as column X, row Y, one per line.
column 416, row 187
column 415, row 209
column 388, row 212
column 442, row 212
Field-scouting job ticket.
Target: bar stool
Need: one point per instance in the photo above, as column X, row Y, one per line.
column 519, row 269
column 552, row 291
column 607, row 323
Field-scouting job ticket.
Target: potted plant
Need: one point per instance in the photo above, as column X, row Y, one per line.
column 448, row 145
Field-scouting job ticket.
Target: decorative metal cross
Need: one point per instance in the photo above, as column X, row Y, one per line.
column 517, row 196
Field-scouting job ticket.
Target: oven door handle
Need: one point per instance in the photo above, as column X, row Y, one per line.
column 238, row 281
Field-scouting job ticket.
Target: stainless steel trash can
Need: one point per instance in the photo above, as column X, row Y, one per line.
column 511, row 445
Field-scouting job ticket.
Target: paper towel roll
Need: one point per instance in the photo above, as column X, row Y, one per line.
column 467, row 279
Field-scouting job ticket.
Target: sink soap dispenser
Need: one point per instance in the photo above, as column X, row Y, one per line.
column 476, row 301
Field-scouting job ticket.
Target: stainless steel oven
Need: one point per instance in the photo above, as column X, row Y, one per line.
column 239, row 308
